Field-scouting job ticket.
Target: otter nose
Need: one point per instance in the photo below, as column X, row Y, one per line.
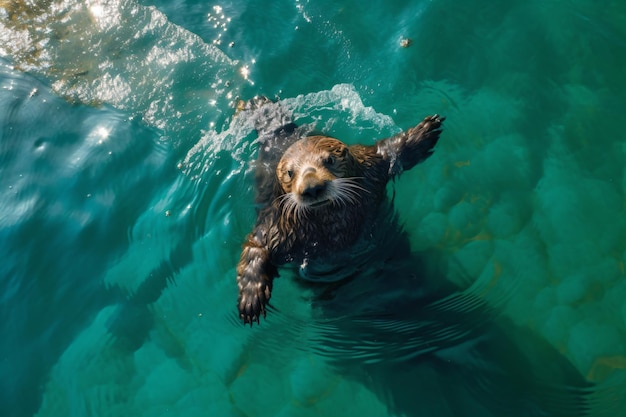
column 311, row 186
column 313, row 190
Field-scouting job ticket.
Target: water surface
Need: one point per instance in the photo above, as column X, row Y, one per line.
column 127, row 190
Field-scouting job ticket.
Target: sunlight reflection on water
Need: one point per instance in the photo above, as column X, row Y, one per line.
column 125, row 210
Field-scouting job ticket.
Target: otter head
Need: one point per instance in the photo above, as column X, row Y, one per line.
column 319, row 170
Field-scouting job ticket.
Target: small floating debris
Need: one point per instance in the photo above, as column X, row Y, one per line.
column 405, row 42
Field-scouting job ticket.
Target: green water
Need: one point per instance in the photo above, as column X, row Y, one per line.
column 126, row 191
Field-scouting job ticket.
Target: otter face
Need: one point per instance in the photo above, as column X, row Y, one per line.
column 318, row 170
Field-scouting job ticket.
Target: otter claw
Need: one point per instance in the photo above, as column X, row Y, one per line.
column 252, row 301
column 436, row 119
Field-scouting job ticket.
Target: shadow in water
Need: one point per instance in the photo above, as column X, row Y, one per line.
column 448, row 354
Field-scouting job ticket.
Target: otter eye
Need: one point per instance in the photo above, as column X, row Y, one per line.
column 329, row 160
column 290, row 173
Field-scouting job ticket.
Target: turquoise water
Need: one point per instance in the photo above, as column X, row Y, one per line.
column 126, row 191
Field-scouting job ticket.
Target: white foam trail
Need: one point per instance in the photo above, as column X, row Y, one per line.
column 123, row 54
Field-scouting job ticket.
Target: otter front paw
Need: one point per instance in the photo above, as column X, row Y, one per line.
column 422, row 138
column 253, row 297
column 407, row 149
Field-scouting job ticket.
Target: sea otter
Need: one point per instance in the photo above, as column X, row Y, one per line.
column 321, row 203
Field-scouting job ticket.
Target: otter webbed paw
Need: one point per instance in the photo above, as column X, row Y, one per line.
column 253, row 299
column 255, row 274
column 422, row 138
column 409, row 148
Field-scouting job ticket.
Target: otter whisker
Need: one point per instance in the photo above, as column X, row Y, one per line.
column 304, row 210
column 343, row 199
column 352, row 183
column 298, row 212
column 293, row 210
column 338, row 201
column 282, row 199
column 348, row 191
column 289, row 206
column 345, row 196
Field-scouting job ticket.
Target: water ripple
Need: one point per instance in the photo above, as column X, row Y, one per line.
column 126, row 55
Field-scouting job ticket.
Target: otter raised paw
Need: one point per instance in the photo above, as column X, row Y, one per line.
column 321, row 205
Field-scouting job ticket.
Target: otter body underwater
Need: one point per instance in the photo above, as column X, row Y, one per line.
column 320, row 202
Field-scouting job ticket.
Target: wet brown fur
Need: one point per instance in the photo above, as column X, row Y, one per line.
column 311, row 215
